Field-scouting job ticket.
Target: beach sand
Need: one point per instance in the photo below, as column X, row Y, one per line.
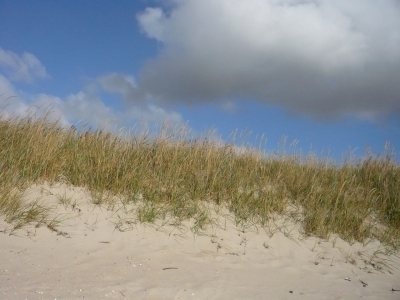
column 88, row 258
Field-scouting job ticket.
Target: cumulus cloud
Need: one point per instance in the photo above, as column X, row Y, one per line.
column 317, row 57
column 86, row 107
column 6, row 87
column 143, row 109
column 25, row 68
column 89, row 108
column 123, row 85
column 10, row 104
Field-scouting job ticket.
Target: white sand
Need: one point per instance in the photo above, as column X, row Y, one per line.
column 89, row 259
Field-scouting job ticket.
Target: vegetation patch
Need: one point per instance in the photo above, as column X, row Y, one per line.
column 169, row 175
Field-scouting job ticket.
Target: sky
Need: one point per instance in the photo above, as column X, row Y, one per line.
column 321, row 74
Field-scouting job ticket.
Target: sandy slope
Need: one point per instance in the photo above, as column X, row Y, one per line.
column 89, row 259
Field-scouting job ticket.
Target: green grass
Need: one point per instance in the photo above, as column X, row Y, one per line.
column 172, row 176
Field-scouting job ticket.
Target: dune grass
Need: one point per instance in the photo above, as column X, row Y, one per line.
column 171, row 176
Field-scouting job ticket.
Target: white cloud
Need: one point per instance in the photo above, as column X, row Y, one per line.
column 318, row 57
column 17, row 104
column 6, row 88
column 89, row 108
column 10, row 104
column 151, row 20
column 86, row 106
column 140, row 107
column 123, row 85
column 21, row 68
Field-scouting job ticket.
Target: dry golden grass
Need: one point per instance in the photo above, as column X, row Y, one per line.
column 170, row 175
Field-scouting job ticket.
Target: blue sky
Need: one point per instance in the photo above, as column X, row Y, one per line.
column 323, row 73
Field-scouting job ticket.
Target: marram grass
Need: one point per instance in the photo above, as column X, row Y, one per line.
column 172, row 176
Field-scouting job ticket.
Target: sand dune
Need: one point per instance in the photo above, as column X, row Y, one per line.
column 87, row 258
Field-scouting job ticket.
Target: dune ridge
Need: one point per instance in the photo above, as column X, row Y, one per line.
column 88, row 257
